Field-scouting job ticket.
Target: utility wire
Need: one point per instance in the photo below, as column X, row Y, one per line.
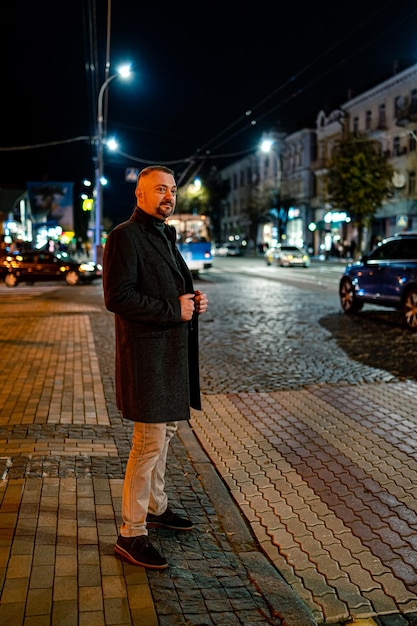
column 45, row 145
column 250, row 112
column 248, row 115
column 296, row 76
column 197, row 157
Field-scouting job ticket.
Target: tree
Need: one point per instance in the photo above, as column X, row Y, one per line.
column 359, row 178
column 218, row 190
column 261, row 208
column 193, row 198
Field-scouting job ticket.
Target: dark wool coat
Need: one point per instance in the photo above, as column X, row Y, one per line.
column 157, row 375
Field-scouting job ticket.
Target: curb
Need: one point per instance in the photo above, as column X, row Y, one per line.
column 280, row 597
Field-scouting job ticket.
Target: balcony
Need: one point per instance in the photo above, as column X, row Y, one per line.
column 406, row 115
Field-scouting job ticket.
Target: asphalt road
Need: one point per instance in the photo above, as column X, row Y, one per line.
column 279, row 328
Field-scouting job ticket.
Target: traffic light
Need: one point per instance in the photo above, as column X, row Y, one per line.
column 88, row 204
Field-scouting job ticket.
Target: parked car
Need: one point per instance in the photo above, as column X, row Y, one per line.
column 386, row 277
column 228, row 249
column 39, row 265
column 287, row 256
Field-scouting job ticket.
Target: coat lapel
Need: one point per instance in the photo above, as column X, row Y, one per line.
column 156, row 240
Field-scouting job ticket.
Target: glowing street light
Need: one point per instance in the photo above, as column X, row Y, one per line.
column 122, row 72
column 266, row 146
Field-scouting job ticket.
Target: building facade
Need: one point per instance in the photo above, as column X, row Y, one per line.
column 298, row 186
column 270, row 192
column 388, row 113
column 281, row 195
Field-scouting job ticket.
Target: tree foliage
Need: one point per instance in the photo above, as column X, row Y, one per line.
column 206, row 199
column 359, row 179
column 192, row 199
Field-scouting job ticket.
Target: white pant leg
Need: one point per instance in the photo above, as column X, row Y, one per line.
column 158, row 500
column 149, row 443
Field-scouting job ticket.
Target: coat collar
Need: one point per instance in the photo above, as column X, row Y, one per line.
column 143, row 218
column 146, row 221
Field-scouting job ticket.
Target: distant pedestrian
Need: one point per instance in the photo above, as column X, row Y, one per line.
column 80, row 247
column 150, row 289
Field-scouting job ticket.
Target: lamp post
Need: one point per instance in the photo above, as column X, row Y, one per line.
column 267, row 147
column 98, row 193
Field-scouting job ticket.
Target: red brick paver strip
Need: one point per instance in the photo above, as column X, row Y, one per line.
column 327, row 478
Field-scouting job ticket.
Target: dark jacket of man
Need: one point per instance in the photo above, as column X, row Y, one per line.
column 157, row 370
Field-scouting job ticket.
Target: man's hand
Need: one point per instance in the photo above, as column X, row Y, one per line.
column 200, row 301
column 187, row 306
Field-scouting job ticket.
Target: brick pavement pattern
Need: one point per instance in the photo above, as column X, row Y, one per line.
column 63, row 450
column 325, row 476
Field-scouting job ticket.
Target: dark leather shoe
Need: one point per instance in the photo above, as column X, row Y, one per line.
column 168, row 520
column 140, row 551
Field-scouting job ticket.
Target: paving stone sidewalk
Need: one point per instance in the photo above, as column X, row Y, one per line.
column 63, row 450
column 304, row 499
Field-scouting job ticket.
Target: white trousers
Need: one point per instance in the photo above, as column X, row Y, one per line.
column 144, row 483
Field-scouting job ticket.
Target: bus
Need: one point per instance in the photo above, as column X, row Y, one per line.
column 193, row 239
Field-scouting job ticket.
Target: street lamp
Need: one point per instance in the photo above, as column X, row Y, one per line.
column 122, row 72
column 267, row 147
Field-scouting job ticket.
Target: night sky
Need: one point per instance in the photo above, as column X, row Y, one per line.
column 198, row 69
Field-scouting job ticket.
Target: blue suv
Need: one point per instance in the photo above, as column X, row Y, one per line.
column 386, row 277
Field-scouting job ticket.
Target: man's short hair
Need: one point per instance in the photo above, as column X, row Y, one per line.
column 155, row 168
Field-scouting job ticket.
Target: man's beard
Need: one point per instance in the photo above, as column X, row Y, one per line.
column 165, row 210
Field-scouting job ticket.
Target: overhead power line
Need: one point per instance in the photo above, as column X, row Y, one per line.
column 248, row 118
column 250, row 112
column 44, row 145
